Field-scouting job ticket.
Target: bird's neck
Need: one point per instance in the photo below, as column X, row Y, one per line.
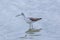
column 24, row 17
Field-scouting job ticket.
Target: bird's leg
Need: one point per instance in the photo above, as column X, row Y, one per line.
column 31, row 26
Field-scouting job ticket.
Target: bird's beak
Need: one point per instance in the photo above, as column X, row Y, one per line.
column 18, row 15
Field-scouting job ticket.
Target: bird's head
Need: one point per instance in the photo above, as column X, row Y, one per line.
column 20, row 14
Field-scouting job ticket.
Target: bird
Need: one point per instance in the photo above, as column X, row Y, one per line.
column 29, row 20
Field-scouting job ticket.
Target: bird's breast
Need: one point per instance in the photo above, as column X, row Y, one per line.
column 28, row 20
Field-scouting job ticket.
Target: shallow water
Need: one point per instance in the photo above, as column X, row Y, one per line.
column 15, row 28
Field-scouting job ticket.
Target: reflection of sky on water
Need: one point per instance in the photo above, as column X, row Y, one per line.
column 12, row 28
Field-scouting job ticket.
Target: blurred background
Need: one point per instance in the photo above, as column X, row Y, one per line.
column 15, row 28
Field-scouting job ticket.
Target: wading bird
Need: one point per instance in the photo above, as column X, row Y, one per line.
column 29, row 20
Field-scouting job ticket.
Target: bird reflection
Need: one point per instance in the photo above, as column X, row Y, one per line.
column 30, row 33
